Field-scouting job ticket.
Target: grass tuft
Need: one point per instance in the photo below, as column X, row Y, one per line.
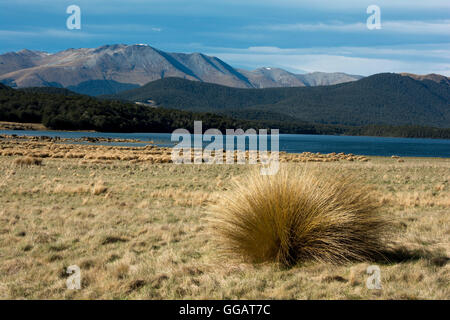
column 297, row 216
column 99, row 188
column 28, row 161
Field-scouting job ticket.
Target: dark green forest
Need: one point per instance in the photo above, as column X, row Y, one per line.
column 61, row 109
column 382, row 99
column 101, row 87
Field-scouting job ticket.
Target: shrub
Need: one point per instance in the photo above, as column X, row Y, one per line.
column 296, row 216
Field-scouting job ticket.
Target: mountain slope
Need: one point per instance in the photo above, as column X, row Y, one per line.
column 388, row 99
column 326, row 79
column 135, row 65
column 13, row 61
column 272, row 78
column 277, row 78
column 432, row 77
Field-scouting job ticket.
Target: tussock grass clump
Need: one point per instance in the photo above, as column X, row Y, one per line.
column 297, row 216
column 28, row 161
column 99, row 189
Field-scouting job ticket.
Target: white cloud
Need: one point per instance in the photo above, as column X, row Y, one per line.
column 351, row 4
column 440, row 27
column 356, row 60
column 125, row 27
column 45, row 33
column 312, row 27
column 422, row 50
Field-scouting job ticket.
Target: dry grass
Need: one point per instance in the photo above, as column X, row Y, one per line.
column 28, row 161
column 57, row 148
column 146, row 236
column 5, row 125
column 300, row 215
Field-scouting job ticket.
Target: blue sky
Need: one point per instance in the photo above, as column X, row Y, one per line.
column 297, row 35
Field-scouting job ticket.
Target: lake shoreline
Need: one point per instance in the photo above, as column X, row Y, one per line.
column 289, row 143
column 87, row 146
column 28, row 126
column 24, row 126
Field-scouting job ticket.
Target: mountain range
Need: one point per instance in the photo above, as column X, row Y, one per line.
column 114, row 68
column 196, row 82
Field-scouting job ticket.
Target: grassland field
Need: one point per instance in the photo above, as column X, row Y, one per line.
column 137, row 226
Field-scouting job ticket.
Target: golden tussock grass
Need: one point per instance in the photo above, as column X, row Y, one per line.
column 99, row 188
column 300, row 215
column 53, row 148
column 28, row 161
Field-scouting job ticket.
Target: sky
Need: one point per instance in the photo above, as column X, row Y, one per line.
column 296, row 35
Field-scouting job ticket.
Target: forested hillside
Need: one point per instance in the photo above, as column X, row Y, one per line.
column 382, row 99
column 61, row 109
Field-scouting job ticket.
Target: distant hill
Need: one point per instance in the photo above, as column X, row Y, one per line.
column 275, row 77
column 110, row 69
column 49, row 90
column 382, row 99
column 101, row 87
column 63, row 110
column 432, row 76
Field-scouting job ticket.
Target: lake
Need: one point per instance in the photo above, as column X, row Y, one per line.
column 293, row 143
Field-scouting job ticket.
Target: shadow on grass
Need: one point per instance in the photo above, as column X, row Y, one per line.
column 403, row 255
